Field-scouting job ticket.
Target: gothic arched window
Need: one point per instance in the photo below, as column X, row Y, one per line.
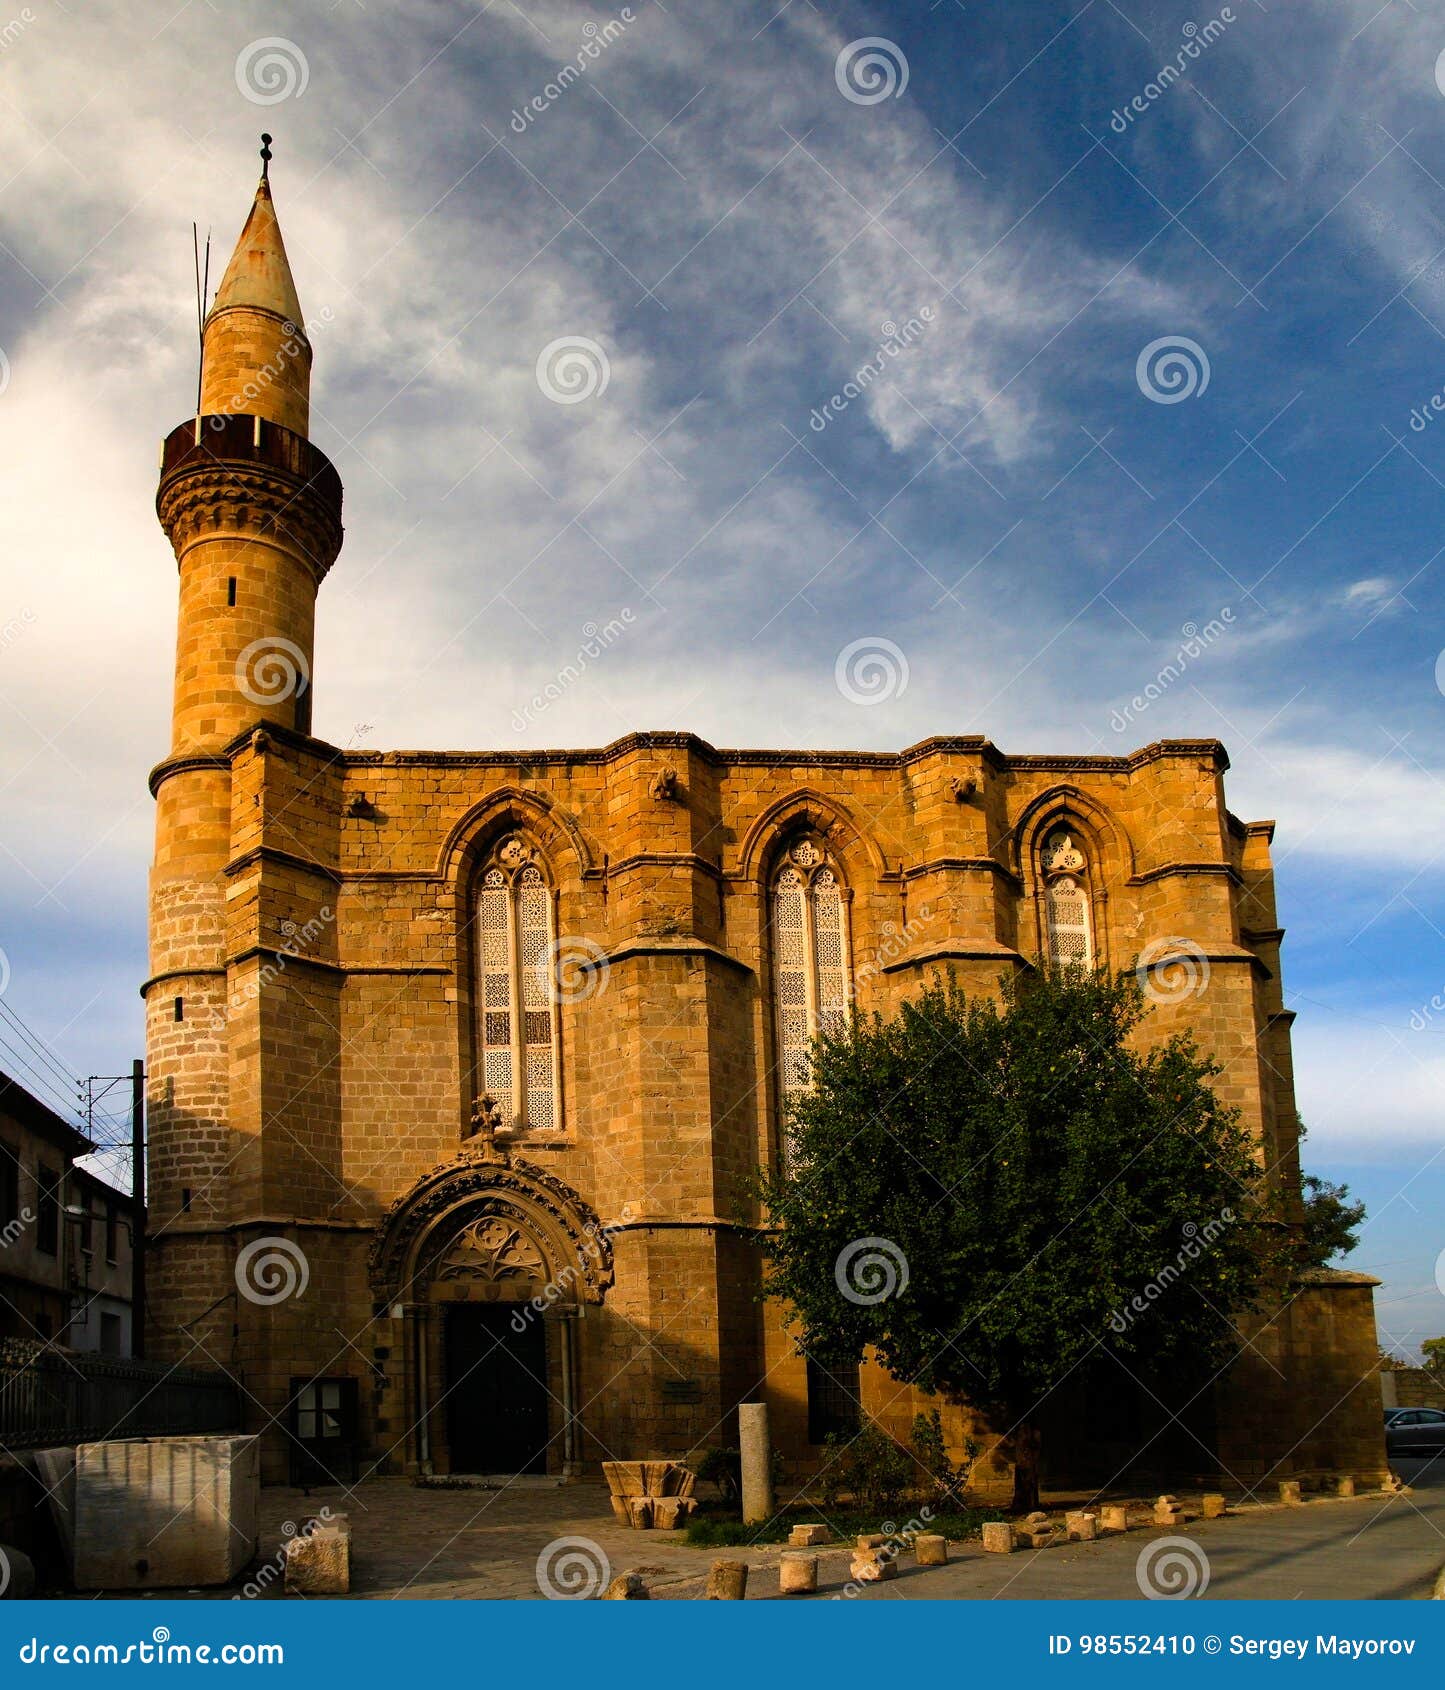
column 810, row 960
column 517, row 1014
column 1068, row 929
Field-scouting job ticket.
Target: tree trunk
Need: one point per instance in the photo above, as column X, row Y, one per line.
column 1026, row 1468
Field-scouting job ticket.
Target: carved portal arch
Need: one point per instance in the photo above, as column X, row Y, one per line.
column 486, row 1227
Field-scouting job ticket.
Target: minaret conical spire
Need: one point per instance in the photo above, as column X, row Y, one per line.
column 255, row 358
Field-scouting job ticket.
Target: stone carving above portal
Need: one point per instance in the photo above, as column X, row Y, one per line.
column 491, row 1251
column 475, row 1216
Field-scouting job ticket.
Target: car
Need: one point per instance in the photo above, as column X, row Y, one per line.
column 1412, row 1431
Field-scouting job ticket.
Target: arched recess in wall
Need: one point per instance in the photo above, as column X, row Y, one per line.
column 805, row 856
column 514, row 868
column 1071, row 854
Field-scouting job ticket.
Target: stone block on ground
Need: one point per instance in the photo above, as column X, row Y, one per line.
column 1344, row 1484
column 655, row 1478
column 1113, row 1518
column 871, row 1540
column 1290, row 1491
column 1081, row 1525
column 1213, row 1506
column 871, row 1566
column 17, row 1574
column 56, row 1468
column 671, row 1512
column 797, row 1574
column 625, row 1478
column 998, row 1537
column 318, row 1562
column 162, row 1513
column 804, row 1537
column 627, row 1587
column 930, row 1549
column 640, row 1508
column 727, row 1581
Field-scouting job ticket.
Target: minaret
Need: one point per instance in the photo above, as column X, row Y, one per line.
column 253, row 511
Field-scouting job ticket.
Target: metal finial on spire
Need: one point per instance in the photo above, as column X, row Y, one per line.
column 265, row 157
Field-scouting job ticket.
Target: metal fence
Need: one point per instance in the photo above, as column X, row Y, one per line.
column 59, row 1398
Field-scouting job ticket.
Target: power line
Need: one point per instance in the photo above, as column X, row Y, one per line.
column 39, row 1046
column 41, row 1082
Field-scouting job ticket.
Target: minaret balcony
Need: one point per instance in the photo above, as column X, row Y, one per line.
column 234, row 469
column 254, row 442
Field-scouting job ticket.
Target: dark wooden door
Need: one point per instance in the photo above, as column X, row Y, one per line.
column 496, row 1389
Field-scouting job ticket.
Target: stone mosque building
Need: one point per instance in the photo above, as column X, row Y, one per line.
column 458, row 1061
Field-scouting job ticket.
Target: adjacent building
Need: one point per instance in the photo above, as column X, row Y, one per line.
column 38, row 1178
column 103, row 1266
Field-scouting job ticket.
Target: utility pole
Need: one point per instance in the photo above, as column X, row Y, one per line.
column 138, row 1192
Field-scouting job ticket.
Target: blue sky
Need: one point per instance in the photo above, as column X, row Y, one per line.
column 1006, row 503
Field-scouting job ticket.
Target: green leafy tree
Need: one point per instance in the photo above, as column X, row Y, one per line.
column 1433, row 1351
column 1331, row 1222
column 990, row 1193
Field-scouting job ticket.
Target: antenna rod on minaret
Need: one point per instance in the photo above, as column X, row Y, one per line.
column 265, row 158
column 202, row 284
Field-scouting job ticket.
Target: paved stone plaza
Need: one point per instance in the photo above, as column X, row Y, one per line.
column 474, row 1544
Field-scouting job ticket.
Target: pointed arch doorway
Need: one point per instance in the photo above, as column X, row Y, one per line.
column 489, row 1262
